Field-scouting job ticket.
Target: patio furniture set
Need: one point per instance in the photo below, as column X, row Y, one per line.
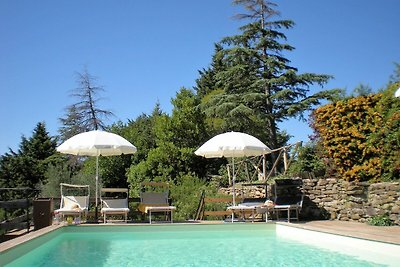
column 77, row 206
column 281, row 204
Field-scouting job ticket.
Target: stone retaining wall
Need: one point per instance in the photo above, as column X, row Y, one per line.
column 351, row 201
column 340, row 200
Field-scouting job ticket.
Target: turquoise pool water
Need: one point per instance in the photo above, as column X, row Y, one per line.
column 175, row 245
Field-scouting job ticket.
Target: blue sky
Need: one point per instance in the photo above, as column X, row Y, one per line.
column 144, row 51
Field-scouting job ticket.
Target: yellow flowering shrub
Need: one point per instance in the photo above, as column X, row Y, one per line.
column 362, row 135
column 344, row 129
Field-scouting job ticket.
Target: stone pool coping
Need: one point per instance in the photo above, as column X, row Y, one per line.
column 386, row 234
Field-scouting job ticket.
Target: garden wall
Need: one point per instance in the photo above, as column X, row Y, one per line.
column 340, row 200
column 350, row 201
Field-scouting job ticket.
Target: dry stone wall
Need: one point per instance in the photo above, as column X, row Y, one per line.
column 351, row 201
column 340, row 200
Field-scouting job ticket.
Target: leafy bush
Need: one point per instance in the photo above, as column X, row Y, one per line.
column 61, row 174
column 362, row 136
column 344, row 128
column 309, row 160
column 185, row 196
column 388, row 136
column 380, row 220
column 2, row 215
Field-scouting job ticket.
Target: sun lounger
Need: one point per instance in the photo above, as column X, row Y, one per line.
column 114, row 206
column 247, row 206
column 288, row 197
column 75, row 206
column 155, row 202
column 242, row 210
column 288, row 204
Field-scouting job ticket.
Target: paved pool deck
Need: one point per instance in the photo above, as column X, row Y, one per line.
column 387, row 234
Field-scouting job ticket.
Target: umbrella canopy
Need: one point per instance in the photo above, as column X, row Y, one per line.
column 231, row 145
column 397, row 94
column 96, row 143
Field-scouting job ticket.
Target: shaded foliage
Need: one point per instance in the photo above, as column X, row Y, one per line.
column 62, row 173
column 310, row 160
column 185, row 194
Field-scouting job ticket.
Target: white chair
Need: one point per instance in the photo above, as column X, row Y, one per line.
column 71, row 205
column 114, row 206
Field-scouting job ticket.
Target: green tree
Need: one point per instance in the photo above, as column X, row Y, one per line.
column 112, row 169
column 141, row 132
column 9, row 170
column 85, row 114
column 176, row 138
column 387, row 135
column 62, row 173
column 258, row 86
column 361, row 90
column 27, row 166
column 310, row 160
column 71, row 124
column 172, row 158
column 395, row 76
column 186, row 127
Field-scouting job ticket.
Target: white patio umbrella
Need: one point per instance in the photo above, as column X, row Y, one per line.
column 397, row 93
column 232, row 145
column 96, row 143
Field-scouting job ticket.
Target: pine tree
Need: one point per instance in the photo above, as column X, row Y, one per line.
column 258, row 85
column 395, row 76
column 71, row 124
column 84, row 115
column 26, row 168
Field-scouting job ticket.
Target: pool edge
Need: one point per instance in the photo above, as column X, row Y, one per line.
column 357, row 235
column 5, row 246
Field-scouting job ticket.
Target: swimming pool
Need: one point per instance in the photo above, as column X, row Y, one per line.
column 185, row 245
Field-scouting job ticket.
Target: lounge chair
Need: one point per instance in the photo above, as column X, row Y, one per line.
column 288, row 197
column 114, row 206
column 155, row 201
column 73, row 205
column 288, row 204
column 249, row 205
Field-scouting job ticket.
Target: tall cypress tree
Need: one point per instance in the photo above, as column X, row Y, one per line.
column 257, row 84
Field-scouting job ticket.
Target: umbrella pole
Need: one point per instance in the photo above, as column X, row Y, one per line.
column 97, row 182
column 233, row 186
column 264, row 170
column 233, row 181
